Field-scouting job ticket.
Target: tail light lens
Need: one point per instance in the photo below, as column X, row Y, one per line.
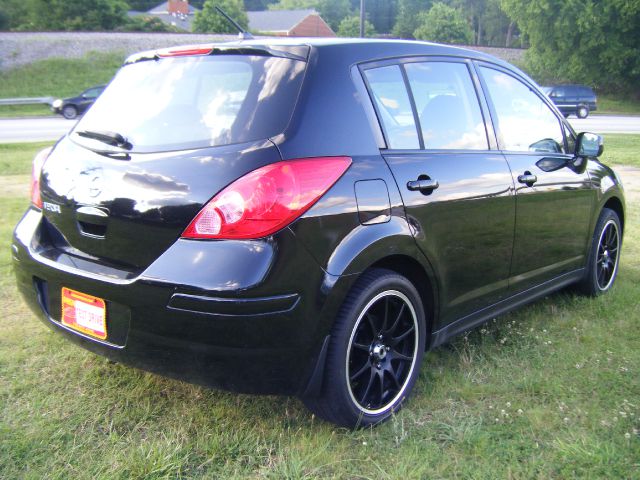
column 267, row 199
column 36, row 169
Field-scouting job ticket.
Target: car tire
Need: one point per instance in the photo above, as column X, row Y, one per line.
column 582, row 111
column 604, row 255
column 69, row 112
column 376, row 347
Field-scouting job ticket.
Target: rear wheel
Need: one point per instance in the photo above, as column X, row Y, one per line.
column 604, row 255
column 69, row 112
column 582, row 112
column 377, row 344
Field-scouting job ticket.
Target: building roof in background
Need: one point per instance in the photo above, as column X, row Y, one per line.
column 277, row 20
column 161, row 11
column 163, row 8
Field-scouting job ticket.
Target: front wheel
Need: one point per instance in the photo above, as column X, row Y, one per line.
column 376, row 348
column 604, row 254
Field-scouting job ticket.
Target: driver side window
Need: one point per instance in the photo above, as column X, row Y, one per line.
column 525, row 122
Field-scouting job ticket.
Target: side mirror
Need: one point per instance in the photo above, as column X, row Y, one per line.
column 589, row 145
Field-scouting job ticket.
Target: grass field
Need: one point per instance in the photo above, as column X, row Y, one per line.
column 55, row 77
column 609, row 104
column 549, row 391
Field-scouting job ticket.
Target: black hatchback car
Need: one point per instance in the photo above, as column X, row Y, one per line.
column 70, row 108
column 576, row 100
column 307, row 217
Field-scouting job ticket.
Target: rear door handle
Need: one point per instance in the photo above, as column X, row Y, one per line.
column 528, row 179
column 424, row 186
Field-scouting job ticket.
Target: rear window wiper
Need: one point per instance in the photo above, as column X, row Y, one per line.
column 110, row 138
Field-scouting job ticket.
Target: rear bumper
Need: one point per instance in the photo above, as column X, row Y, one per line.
column 242, row 316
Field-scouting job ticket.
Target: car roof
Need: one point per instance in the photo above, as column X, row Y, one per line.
column 361, row 50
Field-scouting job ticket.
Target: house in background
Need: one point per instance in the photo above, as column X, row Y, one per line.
column 289, row 23
column 281, row 23
column 177, row 13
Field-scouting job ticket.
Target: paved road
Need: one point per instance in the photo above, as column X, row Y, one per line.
column 14, row 130
column 606, row 124
column 52, row 128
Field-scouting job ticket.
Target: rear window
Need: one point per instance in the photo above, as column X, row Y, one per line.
column 194, row 102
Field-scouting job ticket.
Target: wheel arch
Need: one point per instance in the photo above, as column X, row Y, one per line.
column 615, row 204
column 411, row 269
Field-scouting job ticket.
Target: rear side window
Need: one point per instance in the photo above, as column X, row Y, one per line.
column 586, row 92
column 393, row 106
column 447, row 105
column 191, row 102
column 525, row 122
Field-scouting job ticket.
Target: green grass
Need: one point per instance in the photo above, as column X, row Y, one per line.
column 551, row 391
column 55, row 77
column 610, row 104
column 16, row 158
column 621, row 149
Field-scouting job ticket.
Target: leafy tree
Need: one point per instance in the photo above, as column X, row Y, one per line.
column 145, row 23
column 208, row 20
column 90, row 15
column 331, row 11
column 381, row 13
column 489, row 22
column 407, row 19
column 443, row 23
column 585, row 41
column 497, row 27
column 256, row 5
column 350, row 27
column 12, row 13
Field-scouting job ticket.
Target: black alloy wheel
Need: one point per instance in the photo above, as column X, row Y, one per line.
column 382, row 351
column 607, row 257
column 604, row 255
column 376, row 347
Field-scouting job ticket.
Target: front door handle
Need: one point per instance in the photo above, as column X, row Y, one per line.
column 424, row 186
column 528, row 179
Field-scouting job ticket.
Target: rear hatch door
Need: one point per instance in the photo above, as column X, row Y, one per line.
column 165, row 136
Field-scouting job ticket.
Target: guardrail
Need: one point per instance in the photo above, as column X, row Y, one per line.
column 26, row 101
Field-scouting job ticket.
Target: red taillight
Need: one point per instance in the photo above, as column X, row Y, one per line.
column 36, row 168
column 267, row 199
column 186, row 51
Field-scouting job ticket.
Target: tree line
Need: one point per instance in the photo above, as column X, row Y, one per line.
column 586, row 41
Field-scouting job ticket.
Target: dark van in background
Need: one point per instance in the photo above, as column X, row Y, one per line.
column 576, row 100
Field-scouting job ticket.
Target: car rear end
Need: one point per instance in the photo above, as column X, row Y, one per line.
column 157, row 234
column 588, row 97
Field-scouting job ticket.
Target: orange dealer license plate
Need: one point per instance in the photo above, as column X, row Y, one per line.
column 84, row 313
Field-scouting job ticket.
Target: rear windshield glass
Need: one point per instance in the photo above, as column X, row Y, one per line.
column 192, row 102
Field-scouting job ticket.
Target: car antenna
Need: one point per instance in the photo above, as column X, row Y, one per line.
column 243, row 34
